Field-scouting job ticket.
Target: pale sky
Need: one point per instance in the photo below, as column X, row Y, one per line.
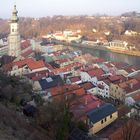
column 40, row 8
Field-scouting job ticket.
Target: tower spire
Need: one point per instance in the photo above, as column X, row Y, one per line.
column 14, row 36
column 14, row 17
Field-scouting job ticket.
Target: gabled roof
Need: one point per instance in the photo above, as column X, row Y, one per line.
column 84, row 104
column 87, row 85
column 60, row 61
column 131, row 69
column 67, row 68
column 101, row 86
column 27, row 53
column 106, row 81
column 137, row 76
column 101, row 112
column 136, row 96
column 36, row 64
column 98, row 60
column 50, row 82
column 20, row 64
column 120, row 65
column 25, row 44
column 38, row 75
column 75, row 79
column 32, row 64
column 66, row 89
column 123, row 110
column 116, row 78
column 109, row 65
column 130, row 85
column 95, row 72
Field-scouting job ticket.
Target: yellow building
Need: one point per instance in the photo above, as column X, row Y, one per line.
column 101, row 117
column 124, row 89
column 116, row 92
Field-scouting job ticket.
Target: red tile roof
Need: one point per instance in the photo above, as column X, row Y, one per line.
column 38, row 75
column 107, row 81
column 32, row 64
column 131, row 69
column 96, row 72
column 87, row 85
column 27, row 53
column 20, row 64
column 75, row 79
column 109, row 65
column 25, row 44
column 137, row 76
column 116, row 78
column 123, row 110
column 49, row 66
column 59, row 34
column 63, row 70
column 98, row 60
column 118, row 129
column 101, row 86
column 36, row 64
column 130, row 85
column 120, row 65
column 67, row 89
column 62, row 61
column 84, row 104
column 136, row 97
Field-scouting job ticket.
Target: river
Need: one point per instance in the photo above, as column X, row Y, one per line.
column 112, row 56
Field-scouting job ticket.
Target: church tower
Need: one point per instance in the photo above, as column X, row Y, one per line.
column 14, row 36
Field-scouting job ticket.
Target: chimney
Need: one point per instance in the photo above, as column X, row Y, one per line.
column 37, row 74
column 86, row 101
column 98, row 105
column 131, row 85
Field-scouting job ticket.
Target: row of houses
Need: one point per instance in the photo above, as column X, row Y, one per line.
column 69, row 73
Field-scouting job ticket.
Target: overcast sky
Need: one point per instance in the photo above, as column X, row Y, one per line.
column 40, row 8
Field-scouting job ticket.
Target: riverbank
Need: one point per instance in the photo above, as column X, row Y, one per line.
column 101, row 47
column 128, row 52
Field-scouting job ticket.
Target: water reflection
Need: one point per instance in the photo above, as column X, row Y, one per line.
column 112, row 56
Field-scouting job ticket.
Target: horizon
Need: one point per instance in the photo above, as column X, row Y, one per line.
column 52, row 8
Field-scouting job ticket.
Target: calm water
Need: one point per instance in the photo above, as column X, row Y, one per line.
column 112, row 56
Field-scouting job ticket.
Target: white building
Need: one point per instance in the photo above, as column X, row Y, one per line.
column 92, row 75
column 103, row 88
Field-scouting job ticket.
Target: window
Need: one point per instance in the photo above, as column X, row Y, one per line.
column 102, row 121
column 110, row 116
column 12, row 30
column 105, row 119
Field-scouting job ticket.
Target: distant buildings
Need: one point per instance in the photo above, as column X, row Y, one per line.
column 130, row 33
column 66, row 35
column 120, row 45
